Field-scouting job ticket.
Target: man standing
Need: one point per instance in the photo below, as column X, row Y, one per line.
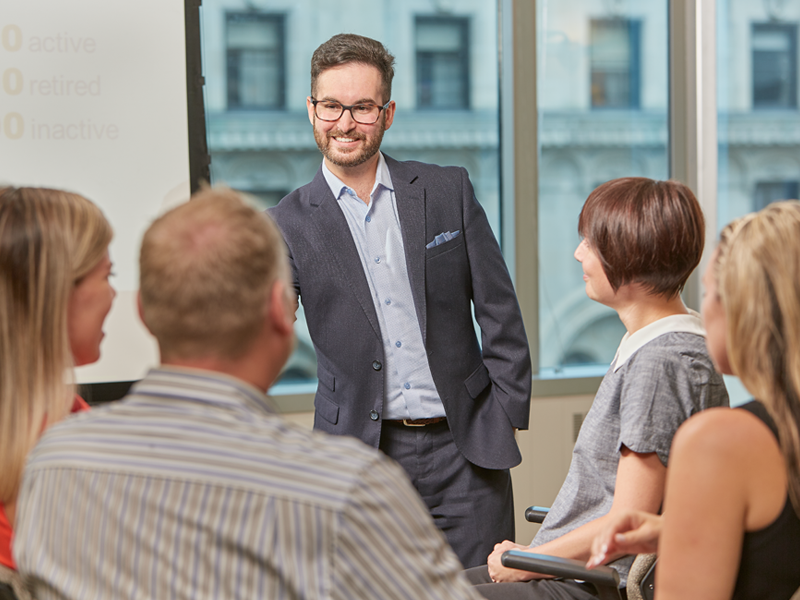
column 389, row 260
column 192, row 486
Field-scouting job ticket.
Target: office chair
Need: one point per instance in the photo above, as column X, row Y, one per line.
column 11, row 587
column 604, row 579
column 641, row 577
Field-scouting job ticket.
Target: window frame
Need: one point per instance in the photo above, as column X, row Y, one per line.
column 463, row 23
column 792, row 30
column 692, row 151
column 268, row 17
column 634, row 31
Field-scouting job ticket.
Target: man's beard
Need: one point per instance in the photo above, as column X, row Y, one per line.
column 354, row 158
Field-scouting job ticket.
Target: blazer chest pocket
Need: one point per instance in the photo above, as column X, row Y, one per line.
column 455, row 243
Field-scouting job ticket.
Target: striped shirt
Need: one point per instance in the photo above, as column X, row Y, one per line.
column 193, row 487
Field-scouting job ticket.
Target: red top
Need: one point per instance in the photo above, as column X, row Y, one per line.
column 5, row 541
column 6, row 532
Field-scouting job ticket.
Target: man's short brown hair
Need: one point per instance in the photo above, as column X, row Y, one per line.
column 347, row 48
column 644, row 231
column 206, row 270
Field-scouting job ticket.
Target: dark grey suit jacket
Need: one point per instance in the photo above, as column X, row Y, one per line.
column 485, row 394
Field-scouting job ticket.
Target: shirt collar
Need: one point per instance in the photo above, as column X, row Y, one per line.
column 690, row 323
column 203, row 386
column 337, row 186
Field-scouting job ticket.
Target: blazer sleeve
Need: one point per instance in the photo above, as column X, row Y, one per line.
column 274, row 215
column 504, row 344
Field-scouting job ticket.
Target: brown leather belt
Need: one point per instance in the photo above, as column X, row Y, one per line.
column 417, row 422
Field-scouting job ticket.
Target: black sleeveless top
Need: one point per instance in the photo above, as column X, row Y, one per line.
column 770, row 564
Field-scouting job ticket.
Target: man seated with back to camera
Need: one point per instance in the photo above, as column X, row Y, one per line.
column 641, row 240
column 192, row 486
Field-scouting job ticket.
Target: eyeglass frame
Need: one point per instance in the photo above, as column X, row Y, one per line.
column 349, row 108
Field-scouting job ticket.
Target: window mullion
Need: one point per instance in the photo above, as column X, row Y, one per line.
column 693, row 115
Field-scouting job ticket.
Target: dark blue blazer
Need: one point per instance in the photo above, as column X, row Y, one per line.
column 485, row 393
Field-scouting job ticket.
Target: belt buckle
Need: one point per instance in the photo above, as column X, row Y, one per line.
column 408, row 423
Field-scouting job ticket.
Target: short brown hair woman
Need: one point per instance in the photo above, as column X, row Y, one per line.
column 641, row 240
column 731, row 524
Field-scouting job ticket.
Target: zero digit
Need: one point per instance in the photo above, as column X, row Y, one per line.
column 12, row 81
column 14, row 125
column 11, row 37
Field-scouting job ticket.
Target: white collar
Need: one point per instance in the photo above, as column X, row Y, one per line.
column 690, row 323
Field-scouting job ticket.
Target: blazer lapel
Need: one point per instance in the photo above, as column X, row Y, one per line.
column 410, row 198
column 334, row 234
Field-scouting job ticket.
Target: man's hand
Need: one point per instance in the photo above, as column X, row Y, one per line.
column 498, row 572
column 631, row 532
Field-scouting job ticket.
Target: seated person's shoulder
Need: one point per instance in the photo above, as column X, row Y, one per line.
column 343, row 455
column 677, row 355
column 337, row 447
column 723, row 433
column 677, row 347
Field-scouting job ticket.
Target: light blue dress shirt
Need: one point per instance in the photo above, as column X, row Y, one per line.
column 375, row 227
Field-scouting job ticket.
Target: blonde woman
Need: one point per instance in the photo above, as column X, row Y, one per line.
column 730, row 527
column 54, row 297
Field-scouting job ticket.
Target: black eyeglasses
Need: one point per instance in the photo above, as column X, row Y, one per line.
column 330, row 110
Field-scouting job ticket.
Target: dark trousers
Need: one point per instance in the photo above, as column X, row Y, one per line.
column 543, row 589
column 473, row 507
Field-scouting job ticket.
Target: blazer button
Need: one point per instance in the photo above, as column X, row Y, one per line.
column 373, row 414
column 376, row 364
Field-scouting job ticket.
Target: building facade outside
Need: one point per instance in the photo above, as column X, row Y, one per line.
column 603, row 113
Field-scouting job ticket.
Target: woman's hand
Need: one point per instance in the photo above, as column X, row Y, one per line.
column 631, row 532
column 498, row 572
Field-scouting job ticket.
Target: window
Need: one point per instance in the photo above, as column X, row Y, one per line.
column 442, row 46
column 266, row 198
column 256, row 65
column 774, row 65
column 255, row 61
column 581, row 147
column 770, row 191
column 589, row 55
column 614, row 46
column 758, row 149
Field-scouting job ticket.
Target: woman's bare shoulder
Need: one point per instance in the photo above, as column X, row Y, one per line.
column 723, row 425
column 728, row 430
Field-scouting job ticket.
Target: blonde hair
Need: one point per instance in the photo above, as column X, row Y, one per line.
column 49, row 240
column 205, row 271
column 758, row 275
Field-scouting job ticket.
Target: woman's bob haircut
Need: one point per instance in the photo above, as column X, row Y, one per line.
column 644, row 231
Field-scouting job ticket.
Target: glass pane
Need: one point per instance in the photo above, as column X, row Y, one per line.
column 442, row 62
column 252, row 33
column 759, row 148
column 271, row 152
column 438, row 37
column 774, row 65
column 254, row 60
column 592, row 55
column 615, row 50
